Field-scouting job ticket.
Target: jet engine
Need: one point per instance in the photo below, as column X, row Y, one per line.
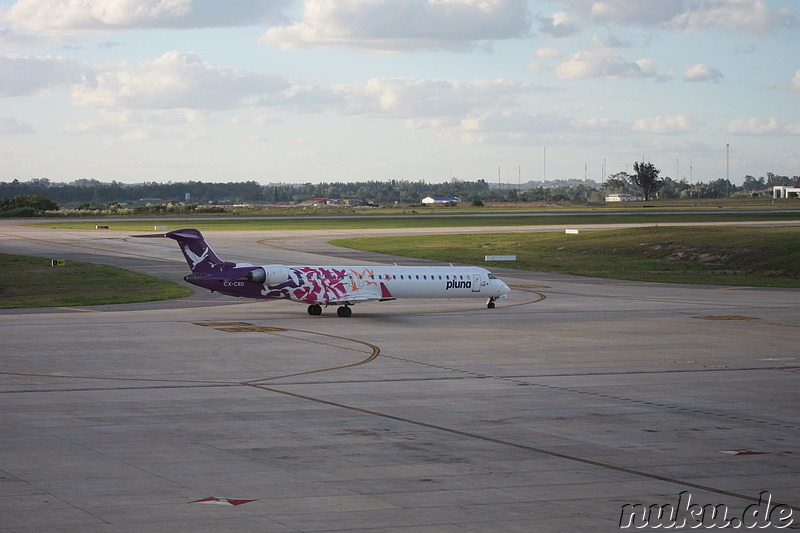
column 269, row 274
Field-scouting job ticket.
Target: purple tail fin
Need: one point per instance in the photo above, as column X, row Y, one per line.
column 198, row 254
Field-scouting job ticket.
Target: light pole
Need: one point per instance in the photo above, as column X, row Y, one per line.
column 728, row 166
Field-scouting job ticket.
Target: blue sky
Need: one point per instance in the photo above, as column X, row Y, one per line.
column 341, row 90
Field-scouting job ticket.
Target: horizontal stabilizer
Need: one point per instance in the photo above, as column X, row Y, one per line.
column 184, row 234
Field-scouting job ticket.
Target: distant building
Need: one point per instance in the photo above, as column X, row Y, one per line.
column 784, row 191
column 441, row 200
column 150, row 201
column 619, row 197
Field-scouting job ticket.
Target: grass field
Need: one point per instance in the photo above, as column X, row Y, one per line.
column 32, row 282
column 438, row 221
column 731, row 255
column 466, row 207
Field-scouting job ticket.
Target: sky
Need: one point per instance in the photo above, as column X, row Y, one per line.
column 299, row 91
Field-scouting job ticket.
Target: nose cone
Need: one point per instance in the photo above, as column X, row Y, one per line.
column 499, row 288
column 504, row 288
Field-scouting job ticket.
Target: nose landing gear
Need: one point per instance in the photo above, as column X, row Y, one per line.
column 490, row 303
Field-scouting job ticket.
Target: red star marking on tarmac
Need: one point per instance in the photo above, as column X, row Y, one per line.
column 742, row 452
column 222, row 501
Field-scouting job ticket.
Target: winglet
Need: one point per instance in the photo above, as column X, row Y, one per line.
column 385, row 294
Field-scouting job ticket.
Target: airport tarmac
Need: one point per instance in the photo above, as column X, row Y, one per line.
column 572, row 399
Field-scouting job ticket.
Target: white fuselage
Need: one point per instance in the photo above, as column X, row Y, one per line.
column 415, row 282
column 343, row 286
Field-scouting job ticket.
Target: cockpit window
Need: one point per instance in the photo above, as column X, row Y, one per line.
column 492, row 276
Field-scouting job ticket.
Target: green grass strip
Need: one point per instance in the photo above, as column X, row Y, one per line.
column 33, row 282
column 437, row 221
column 731, row 255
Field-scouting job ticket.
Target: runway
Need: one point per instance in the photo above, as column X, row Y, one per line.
column 572, row 399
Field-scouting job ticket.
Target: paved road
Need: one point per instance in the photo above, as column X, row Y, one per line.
column 573, row 398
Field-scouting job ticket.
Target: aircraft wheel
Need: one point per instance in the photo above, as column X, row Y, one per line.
column 314, row 310
column 490, row 305
column 344, row 311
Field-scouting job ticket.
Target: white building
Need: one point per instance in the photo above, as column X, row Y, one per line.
column 441, row 200
column 619, row 197
column 783, row 191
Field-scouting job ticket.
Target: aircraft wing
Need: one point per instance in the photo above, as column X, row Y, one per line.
column 365, row 294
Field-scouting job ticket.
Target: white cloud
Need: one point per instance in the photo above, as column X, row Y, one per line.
column 611, row 41
column 516, row 124
column 92, row 128
column 548, row 53
column 794, row 85
column 646, row 66
column 602, row 63
column 174, row 80
column 10, row 38
column 664, row 125
column 701, row 72
column 302, row 98
column 631, row 12
column 559, row 25
column 403, row 25
column 180, row 86
column 599, row 124
column 120, row 116
column 418, row 98
column 499, row 127
column 180, row 116
column 12, row 126
column 749, row 16
column 792, row 128
column 763, row 127
column 125, row 14
column 438, row 123
column 24, row 76
column 754, row 17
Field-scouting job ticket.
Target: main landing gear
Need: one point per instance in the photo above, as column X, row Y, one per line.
column 316, row 310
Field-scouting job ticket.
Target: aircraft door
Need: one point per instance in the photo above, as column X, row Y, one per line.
column 476, row 283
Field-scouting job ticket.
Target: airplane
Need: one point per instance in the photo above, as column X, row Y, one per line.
column 342, row 286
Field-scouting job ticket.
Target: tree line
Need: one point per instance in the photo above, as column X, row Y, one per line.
column 91, row 194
